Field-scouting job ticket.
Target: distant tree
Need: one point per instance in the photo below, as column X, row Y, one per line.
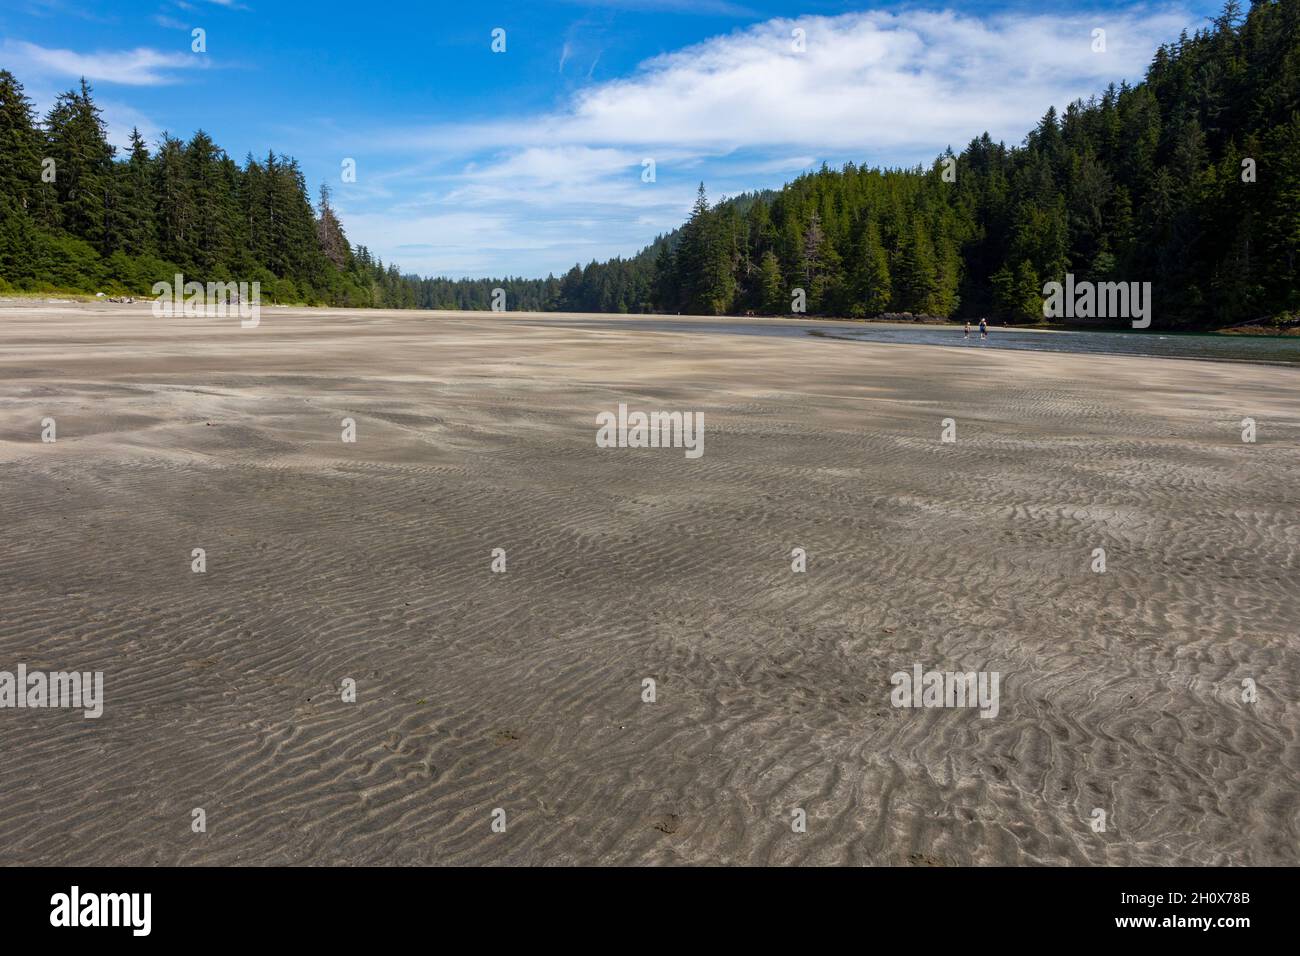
column 876, row 288
column 133, row 214
column 329, row 232
column 775, row 295
column 916, row 273
column 1017, row 296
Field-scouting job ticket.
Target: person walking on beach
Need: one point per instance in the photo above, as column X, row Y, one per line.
column 966, row 333
column 984, row 329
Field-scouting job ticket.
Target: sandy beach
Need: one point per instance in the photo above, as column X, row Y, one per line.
column 372, row 561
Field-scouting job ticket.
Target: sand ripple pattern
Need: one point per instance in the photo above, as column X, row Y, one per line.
column 371, row 561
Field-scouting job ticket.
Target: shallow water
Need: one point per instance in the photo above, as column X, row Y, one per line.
column 1235, row 348
column 1164, row 344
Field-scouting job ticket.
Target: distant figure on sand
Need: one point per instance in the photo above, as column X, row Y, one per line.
column 966, row 334
column 984, row 329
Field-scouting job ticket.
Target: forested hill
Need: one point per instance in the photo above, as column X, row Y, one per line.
column 1143, row 183
column 1189, row 180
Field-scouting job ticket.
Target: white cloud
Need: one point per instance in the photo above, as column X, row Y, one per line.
column 529, row 212
column 139, row 67
column 557, row 177
column 874, row 81
column 485, row 243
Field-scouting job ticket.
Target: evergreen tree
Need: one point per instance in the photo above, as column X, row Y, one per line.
column 133, row 222
column 916, row 273
column 20, row 146
column 775, row 298
column 693, row 257
column 78, row 144
column 329, row 233
column 875, row 290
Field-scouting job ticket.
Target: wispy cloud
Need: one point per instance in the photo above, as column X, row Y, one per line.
column 876, row 82
column 63, row 8
column 139, row 67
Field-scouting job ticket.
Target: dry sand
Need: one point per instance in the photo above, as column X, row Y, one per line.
column 1120, row 691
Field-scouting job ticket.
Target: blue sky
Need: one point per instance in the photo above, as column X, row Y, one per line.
column 475, row 163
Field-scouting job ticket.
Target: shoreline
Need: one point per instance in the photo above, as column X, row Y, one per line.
column 11, row 300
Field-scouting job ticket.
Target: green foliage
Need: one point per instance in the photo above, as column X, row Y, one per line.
column 774, row 299
column 122, row 225
column 1017, row 296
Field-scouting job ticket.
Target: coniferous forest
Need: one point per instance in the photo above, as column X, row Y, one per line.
column 1189, row 180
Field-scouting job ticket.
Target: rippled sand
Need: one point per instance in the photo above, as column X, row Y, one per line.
column 1120, row 691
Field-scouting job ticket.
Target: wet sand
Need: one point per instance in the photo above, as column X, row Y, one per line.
column 371, row 561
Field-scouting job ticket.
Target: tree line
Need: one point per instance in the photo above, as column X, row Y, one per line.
column 76, row 217
column 1189, row 179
